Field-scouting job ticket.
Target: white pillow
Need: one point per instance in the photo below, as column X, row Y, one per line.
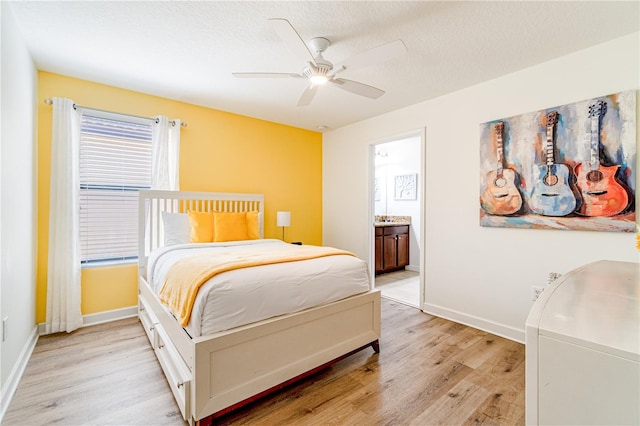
column 176, row 228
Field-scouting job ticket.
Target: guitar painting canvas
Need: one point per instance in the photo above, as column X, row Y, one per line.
column 573, row 167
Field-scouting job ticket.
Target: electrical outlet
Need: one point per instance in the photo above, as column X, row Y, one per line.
column 553, row 276
column 536, row 291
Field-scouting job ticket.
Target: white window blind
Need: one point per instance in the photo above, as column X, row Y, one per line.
column 115, row 162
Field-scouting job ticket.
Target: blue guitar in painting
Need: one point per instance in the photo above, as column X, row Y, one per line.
column 552, row 195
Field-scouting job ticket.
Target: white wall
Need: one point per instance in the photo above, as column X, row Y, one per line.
column 475, row 275
column 18, row 235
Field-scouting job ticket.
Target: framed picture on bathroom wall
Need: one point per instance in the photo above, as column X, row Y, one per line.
column 405, row 187
column 570, row 167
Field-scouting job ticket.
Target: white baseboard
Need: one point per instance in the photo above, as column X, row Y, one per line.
column 412, row 268
column 501, row 330
column 101, row 317
column 11, row 385
column 108, row 316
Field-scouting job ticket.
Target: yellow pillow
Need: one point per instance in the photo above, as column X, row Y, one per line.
column 230, row 226
column 201, row 224
column 253, row 225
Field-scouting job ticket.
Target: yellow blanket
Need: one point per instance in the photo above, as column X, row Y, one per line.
column 187, row 275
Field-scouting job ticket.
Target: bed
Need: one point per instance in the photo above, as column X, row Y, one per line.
column 216, row 365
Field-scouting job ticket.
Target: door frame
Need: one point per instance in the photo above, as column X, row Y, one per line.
column 421, row 133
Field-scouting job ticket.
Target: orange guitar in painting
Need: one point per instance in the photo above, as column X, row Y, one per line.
column 501, row 197
column 602, row 194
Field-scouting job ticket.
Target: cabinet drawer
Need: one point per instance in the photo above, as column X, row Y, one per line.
column 147, row 319
column 177, row 374
column 390, row 230
column 379, row 231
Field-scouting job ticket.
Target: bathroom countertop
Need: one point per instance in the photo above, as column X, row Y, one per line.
column 382, row 224
column 380, row 221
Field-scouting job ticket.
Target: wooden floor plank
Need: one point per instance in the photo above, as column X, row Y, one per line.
column 452, row 408
column 429, row 371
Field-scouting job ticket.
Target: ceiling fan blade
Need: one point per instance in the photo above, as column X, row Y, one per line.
column 290, row 36
column 373, row 56
column 265, row 74
column 308, row 95
column 358, row 88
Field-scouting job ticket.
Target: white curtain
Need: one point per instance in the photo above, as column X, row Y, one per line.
column 63, row 279
column 166, row 154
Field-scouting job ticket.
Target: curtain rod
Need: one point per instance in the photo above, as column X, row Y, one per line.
column 48, row 101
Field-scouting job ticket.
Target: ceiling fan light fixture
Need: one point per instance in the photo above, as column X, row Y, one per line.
column 318, row 79
column 317, row 75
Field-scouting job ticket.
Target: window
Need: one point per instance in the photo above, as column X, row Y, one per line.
column 115, row 162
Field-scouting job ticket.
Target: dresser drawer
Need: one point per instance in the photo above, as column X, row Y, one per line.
column 178, row 375
column 148, row 320
column 391, row 230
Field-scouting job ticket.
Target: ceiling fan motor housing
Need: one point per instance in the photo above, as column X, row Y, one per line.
column 321, row 69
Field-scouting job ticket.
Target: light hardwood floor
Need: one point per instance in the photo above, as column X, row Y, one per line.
column 429, row 371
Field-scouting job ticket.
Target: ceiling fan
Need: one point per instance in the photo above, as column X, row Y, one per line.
column 319, row 71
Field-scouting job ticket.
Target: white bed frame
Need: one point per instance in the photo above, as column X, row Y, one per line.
column 212, row 375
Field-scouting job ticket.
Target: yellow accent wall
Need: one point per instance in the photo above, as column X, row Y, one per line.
column 219, row 151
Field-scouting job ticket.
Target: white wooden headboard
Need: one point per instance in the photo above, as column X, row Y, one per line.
column 153, row 202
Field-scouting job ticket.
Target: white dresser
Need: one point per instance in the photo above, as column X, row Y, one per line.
column 583, row 348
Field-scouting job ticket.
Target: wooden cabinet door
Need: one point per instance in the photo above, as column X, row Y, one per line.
column 402, row 250
column 392, row 248
column 379, row 255
column 390, row 252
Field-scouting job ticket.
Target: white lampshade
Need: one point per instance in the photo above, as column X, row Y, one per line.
column 283, row 218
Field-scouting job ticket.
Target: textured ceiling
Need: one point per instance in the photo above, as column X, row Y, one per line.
column 188, row 50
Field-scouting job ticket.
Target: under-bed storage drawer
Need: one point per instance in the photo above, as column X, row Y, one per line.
column 176, row 371
column 147, row 319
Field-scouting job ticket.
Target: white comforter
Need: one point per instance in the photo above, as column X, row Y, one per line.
column 247, row 295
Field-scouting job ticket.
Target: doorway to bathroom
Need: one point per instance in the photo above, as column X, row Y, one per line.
column 397, row 216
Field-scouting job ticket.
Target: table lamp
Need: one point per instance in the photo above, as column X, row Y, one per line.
column 283, row 219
